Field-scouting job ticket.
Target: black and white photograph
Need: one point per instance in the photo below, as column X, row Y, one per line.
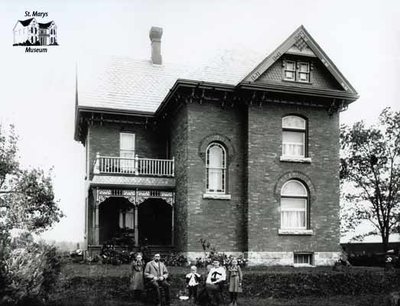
column 208, row 153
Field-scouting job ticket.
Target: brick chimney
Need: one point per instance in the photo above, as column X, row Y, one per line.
column 155, row 37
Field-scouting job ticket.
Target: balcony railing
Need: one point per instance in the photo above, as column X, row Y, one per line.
column 134, row 166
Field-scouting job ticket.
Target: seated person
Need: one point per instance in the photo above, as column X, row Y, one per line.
column 156, row 274
column 214, row 283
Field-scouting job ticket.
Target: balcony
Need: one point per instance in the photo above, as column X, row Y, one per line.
column 134, row 166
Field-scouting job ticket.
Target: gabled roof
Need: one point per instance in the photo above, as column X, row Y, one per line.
column 26, row 22
column 45, row 25
column 300, row 42
column 128, row 85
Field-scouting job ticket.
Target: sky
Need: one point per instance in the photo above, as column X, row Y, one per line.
column 37, row 91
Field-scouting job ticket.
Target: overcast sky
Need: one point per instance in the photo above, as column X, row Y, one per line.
column 37, row 90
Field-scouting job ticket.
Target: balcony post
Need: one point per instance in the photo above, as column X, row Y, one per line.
column 96, row 169
column 173, row 166
column 136, row 164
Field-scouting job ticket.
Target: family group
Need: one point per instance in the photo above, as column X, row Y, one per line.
column 206, row 290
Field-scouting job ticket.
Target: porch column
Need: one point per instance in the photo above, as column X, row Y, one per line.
column 96, row 226
column 172, row 226
column 136, row 226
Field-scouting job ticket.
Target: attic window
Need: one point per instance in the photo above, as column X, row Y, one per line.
column 290, row 70
column 296, row 71
column 303, row 72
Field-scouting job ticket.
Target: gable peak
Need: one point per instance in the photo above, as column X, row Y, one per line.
column 300, row 43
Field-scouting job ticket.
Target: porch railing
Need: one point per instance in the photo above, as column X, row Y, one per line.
column 134, row 166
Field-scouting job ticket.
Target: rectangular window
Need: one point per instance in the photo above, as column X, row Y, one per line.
column 290, row 71
column 293, row 213
column 303, row 72
column 303, row 259
column 127, row 152
column 296, row 71
column 293, row 143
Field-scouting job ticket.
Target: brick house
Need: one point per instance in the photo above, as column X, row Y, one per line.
column 243, row 152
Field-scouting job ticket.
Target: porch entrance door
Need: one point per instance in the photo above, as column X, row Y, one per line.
column 155, row 222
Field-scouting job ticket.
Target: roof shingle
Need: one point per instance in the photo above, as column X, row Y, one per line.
column 138, row 85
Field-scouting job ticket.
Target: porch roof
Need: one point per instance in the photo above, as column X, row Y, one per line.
column 132, row 181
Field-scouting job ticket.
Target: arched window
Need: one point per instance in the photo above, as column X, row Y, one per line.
column 216, row 168
column 294, row 205
column 294, row 136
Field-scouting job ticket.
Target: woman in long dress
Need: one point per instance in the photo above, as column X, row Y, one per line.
column 137, row 283
column 235, row 278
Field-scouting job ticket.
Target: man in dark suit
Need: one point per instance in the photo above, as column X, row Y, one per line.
column 156, row 273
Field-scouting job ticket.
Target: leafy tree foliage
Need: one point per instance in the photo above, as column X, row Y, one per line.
column 371, row 172
column 27, row 204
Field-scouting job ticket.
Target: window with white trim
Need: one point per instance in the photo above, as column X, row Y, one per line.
column 215, row 168
column 303, row 259
column 290, row 70
column 127, row 151
column 294, row 136
column 296, row 71
column 294, row 205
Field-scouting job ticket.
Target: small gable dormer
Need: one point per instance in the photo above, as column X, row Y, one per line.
column 299, row 62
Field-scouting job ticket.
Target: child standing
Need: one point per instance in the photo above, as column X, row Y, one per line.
column 192, row 282
column 137, row 284
column 235, row 278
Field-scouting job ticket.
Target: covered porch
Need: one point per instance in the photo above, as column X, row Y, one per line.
column 130, row 218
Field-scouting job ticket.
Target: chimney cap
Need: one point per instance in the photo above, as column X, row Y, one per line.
column 155, row 33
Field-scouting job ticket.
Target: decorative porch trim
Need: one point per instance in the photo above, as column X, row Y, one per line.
column 143, row 195
column 104, row 194
column 135, row 197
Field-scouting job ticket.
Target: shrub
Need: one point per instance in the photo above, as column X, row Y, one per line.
column 211, row 254
column 31, row 272
column 111, row 254
column 176, row 260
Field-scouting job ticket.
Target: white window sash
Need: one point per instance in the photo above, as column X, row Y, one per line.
column 127, row 152
column 216, row 169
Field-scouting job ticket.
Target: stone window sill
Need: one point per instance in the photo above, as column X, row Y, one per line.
column 293, row 159
column 216, row 196
column 296, row 265
column 294, row 232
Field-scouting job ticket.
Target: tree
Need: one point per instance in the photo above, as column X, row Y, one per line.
column 27, row 199
column 370, row 173
column 27, row 204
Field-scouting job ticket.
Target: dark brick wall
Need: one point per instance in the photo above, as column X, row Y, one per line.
column 250, row 219
column 265, row 169
column 218, row 221
column 105, row 139
column 178, row 127
column 320, row 76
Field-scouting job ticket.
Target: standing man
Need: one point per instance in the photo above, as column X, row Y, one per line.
column 156, row 273
column 214, row 283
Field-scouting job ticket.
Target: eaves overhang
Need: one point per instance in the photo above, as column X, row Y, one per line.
column 191, row 84
column 87, row 110
column 309, row 92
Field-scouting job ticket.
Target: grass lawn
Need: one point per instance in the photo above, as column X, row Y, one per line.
column 97, row 284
